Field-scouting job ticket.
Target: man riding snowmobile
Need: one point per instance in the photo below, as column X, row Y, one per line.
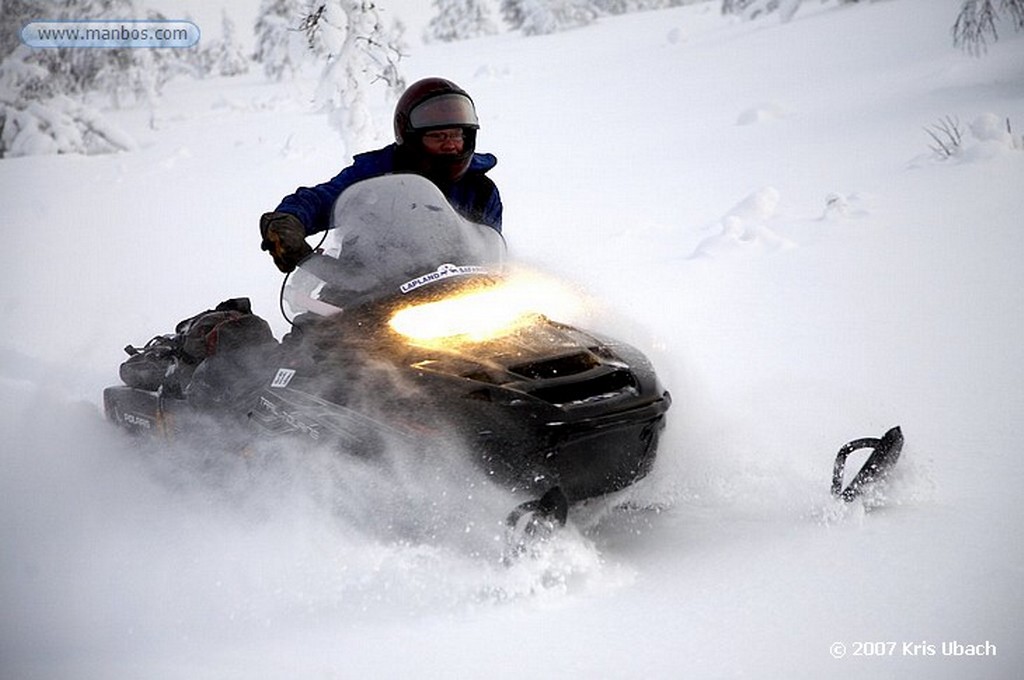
column 384, row 347
column 435, row 126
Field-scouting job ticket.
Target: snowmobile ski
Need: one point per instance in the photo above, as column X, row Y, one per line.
column 553, row 507
column 534, row 522
column 886, row 452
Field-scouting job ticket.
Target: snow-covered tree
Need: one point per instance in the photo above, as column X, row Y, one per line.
column 755, row 9
column 512, row 13
column 976, row 23
column 124, row 74
column 35, row 118
column 459, row 20
column 71, row 71
column 360, row 53
column 13, row 15
column 540, row 17
column 627, row 6
column 225, row 57
column 46, row 95
column 751, row 9
column 280, row 45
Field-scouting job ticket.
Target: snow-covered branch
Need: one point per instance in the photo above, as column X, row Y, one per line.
column 56, row 125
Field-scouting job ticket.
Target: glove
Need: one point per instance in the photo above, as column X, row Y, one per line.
column 285, row 237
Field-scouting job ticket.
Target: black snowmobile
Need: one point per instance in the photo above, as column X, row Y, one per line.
column 405, row 329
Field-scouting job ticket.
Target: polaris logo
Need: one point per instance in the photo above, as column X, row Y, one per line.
column 445, row 271
column 136, row 420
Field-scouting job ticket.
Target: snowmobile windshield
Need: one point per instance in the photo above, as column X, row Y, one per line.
column 392, row 235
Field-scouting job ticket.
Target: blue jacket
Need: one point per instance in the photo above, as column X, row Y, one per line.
column 475, row 196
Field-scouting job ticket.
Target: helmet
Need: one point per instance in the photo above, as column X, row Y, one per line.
column 433, row 103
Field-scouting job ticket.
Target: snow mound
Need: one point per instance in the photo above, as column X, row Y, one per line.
column 492, row 72
column 840, row 206
column 761, row 113
column 987, row 137
column 743, row 231
column 993, row 136
column 760, row 205
column 990, row 127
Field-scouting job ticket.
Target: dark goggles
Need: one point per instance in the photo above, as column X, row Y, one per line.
column 446, row 110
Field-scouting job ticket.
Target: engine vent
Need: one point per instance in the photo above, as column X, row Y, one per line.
column 605, row 386
column 570, row 364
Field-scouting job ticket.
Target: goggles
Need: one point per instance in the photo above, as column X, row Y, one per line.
column 446, row 110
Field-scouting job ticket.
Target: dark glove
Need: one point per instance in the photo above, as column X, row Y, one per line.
column 285, row 238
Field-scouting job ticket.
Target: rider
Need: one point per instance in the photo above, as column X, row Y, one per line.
column 435, row 136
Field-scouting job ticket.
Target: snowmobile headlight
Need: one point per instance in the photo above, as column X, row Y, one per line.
column 471, row 317
column 490, row 311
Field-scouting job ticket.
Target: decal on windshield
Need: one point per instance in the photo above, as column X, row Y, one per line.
column 445, row 271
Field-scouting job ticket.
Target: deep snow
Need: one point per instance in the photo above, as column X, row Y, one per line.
column 754, row 204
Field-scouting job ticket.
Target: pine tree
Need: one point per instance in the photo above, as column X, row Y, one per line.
column 540, row 17
column 459, row 20
column 750, row 9
column 225, row 57
column 280, row 45
column 627, row 6
column 512, row 14
column 13, row 15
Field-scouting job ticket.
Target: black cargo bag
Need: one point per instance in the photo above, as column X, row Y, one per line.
column 167, row 361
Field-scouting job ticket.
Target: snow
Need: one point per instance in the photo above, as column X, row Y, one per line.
column 754, row 204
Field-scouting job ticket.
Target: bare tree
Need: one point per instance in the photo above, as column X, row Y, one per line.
column 976, row 24
column 946, row 136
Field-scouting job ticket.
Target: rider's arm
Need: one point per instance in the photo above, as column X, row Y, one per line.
column 313, row 205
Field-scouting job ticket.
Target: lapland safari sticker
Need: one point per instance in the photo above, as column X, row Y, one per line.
column 445, row 271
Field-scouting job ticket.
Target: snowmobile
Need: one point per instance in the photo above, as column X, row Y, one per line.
column 405, row 327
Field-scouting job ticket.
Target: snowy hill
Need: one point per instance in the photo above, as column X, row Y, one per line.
column 754, row 204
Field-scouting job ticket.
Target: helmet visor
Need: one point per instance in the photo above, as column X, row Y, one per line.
column 447, row 110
